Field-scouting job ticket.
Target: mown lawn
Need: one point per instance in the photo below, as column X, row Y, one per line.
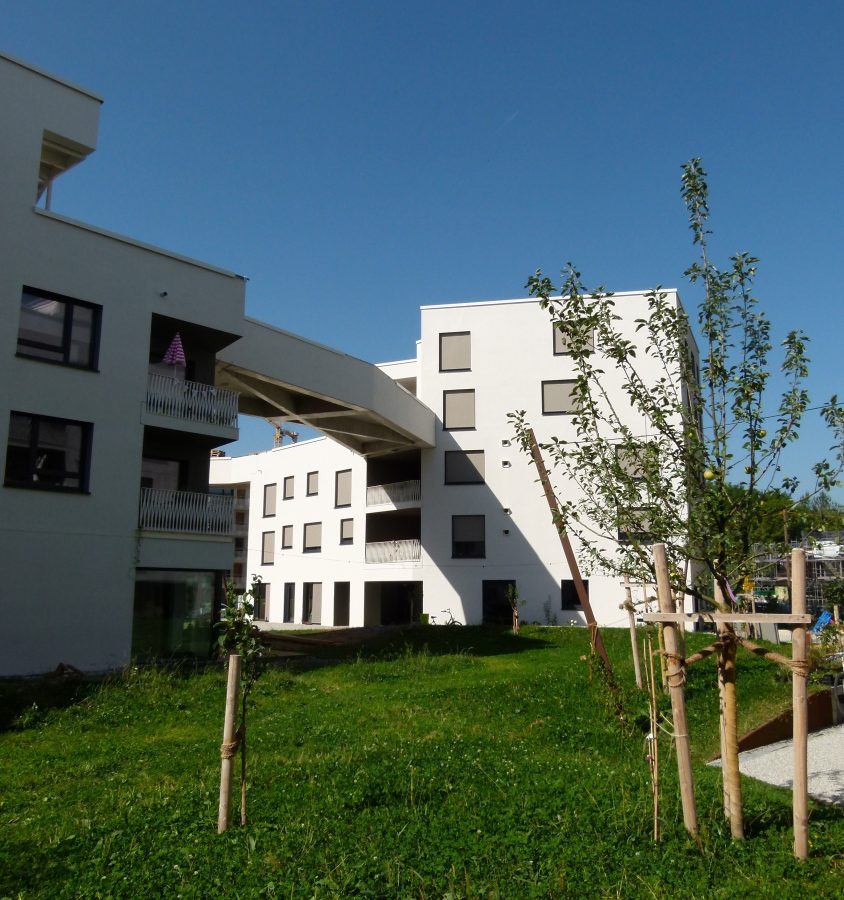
column 446, row 762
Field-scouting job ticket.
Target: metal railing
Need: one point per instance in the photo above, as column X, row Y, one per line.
column 394, row 551
column 397, row 492
column 191, row 400
column 186, row 512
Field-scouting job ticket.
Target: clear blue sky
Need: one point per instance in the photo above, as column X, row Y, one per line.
column 357, row 160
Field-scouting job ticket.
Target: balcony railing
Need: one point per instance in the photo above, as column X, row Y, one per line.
column 397, row 492
column 191, row 400
column 186, row 512
column 394, row 551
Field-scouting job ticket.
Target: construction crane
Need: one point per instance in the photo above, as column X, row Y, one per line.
column 280, row 432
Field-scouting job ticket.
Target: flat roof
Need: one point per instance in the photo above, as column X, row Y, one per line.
column 44, row 74
column 473, row 303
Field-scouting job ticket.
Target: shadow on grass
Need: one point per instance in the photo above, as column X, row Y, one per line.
column 24, row 701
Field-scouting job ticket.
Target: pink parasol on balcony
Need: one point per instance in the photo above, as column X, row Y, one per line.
column 175, row 355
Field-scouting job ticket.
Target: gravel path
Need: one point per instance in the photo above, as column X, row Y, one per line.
column 774, row 764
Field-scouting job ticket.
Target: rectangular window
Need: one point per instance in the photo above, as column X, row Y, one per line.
column 239, row 517
column 561, row 342
column 343, row 488
column 347, row 531
column 312, row 542
column 557, row 399
column 464, row 466
column 342, row 593
column 312, row 488
column 239, row 545
column 568, row 594
column 468, row 537
column 455, row 352
column 262, row 602
column 269, row 500
column 289, row 601
column 287, row 537
column 288, row 488
column 311, row 602
column 635, row 526
column 58, row 329
column 267, row 548
column 48, row 454
column 458, row 410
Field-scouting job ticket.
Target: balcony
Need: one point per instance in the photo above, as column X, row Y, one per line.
column 396, row 493
column 191, row 401
column 409, row 550
column 185, row 512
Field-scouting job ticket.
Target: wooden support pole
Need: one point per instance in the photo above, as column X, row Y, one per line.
column 836, row 613
column 718, row 596
column 634, row 641
column 730, row 758
column 800, row 707
column 232, row 686
column 676, row 685
column 579, row 586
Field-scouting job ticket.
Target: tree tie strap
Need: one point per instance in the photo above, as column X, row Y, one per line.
column 229, row 748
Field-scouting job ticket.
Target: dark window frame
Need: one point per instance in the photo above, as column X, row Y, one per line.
column 291, row 479
column 305, row 548
column 473, row 555
column 346, row 541
column 461, row 427
column 271, row 515
column 443, row 334
column 283, row 545
column 96, row 329
column 261, row 601
column 84, row 474
column 264, row 549
column 542, row 396
column 289, row 596
column 463, row 452
column 308, row 491
column 337, row 475
column 572, row 605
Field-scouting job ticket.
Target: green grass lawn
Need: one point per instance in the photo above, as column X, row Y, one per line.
column 442, row 762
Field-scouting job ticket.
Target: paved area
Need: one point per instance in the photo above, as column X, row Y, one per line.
column 774, row 764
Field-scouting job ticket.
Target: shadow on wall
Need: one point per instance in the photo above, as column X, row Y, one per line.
column 508, row 556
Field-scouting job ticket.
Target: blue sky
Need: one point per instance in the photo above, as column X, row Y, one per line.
column 358, row 160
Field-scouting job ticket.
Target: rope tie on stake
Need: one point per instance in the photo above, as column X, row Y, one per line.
column 230, row 748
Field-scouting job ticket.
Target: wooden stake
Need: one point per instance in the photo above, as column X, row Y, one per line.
column 654, row 748
column 800, row 707
column 637, row 669
column 580, row 588
column 836, row 613
column 232, row 686
column 730, row 759
column 719, row 598
column 676, row 685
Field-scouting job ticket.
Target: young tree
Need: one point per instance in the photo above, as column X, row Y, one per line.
column 690, row 458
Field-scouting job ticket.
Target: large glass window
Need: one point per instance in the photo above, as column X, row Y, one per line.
column 47, row 453
column 557, row 398
column 311, row 603
column 455, row 351
column 58, row 329
column 173, row 614
column 458, row 410
column 343, row 488
column 289, row 601
column 464, row 466
column 468, row 537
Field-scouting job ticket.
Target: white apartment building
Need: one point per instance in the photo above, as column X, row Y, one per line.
column 442, row 530
column 112, row 545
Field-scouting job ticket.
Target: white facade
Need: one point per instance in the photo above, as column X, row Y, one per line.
column 111, row 544
column 503, row 351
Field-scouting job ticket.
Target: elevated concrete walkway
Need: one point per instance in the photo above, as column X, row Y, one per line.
column 287, row 378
